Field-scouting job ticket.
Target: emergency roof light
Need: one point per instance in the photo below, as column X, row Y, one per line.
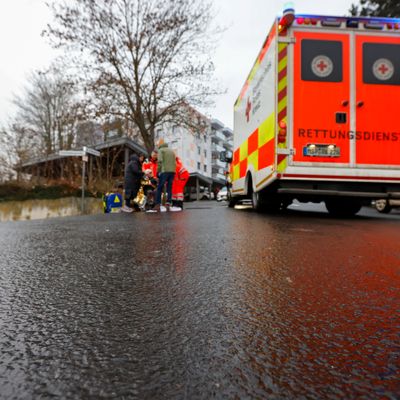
column 287, row 19
column 375, row 23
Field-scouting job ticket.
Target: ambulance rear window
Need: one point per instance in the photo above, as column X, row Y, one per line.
column 321, row 60
column 381, row 63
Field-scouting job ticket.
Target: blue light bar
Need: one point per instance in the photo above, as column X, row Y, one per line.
column 365, row 20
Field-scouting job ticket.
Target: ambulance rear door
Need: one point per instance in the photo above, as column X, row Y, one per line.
column 321, row 98
column 377, row 112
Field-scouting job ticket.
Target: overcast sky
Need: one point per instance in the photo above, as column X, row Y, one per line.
column 22, row 48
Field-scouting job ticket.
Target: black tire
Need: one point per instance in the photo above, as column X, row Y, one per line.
column 383, row 206
column 342, row 207
column 256, row 201
column 232, row 201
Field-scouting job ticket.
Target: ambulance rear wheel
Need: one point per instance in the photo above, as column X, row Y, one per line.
column 232, row 201
column 256, row 201
column 343, row 207
column 383, row 206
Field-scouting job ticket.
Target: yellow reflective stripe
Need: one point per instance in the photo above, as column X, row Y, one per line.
column 282, row 84
column 244, row 151
column 266, row 130
column 281, row 46
column 282, row 105
column 282, row 64
column 253, row 160
column 282, row 165
column 236, row 172
column 253, row 71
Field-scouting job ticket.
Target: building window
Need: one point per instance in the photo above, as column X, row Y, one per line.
column 198, row 166
column 205, row 168
column 198, row 150
column 205, row 153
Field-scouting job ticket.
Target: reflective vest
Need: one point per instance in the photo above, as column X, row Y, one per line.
column 180, row 180
column 150, row 164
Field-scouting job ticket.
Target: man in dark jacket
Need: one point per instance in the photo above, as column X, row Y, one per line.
column 133, row 176
column 166, row 173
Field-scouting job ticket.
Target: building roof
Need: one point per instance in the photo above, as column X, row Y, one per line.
column 120, row 141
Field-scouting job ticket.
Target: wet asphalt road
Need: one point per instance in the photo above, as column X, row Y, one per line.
column 207, row 303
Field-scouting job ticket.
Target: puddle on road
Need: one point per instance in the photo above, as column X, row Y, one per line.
column 42, row 209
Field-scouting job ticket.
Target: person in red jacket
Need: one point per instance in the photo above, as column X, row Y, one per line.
column 178, row 186
column 151, row 163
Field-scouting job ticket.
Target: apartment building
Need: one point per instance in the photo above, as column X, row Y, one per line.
column 199, row 150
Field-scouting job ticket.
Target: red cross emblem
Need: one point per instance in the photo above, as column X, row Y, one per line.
column 383, row 69
column 322, row 66
column 248, row 109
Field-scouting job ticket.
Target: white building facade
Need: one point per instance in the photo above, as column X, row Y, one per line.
column 199, row 151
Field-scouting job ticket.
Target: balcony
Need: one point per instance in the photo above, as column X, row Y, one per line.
column 219, row 175
column 228, row 146
column 216, row 124
column 217, row 163
column 227, row 132
column 218, row 136
column 217, row 148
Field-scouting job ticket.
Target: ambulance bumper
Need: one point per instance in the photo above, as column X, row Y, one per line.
column 322, row 193
column 321, row 189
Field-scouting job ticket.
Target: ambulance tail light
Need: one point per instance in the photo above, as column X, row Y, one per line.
column 282, row 132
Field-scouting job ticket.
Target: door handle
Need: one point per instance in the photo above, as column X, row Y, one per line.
column 360, row 104
column 345, row 103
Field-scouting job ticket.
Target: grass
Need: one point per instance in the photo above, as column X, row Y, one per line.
column 13, row 191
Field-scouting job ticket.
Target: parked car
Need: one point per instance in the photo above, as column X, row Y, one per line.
column 205, row 194
column 222, row 194
column 385, row 205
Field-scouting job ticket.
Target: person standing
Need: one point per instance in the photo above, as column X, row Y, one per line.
column 180, row 180
column 133, row 176
column 166, row 173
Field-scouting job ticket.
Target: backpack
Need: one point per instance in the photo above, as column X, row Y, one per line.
column 112, row 203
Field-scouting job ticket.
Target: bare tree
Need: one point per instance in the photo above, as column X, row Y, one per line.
column 376, row 8
column 17, row 146
column 142, row 59
column 48, row 108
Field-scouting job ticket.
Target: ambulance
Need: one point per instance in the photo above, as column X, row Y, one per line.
column 318, row 118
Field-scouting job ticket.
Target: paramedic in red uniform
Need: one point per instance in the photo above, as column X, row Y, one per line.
column 178, row 186
column 151, row 163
